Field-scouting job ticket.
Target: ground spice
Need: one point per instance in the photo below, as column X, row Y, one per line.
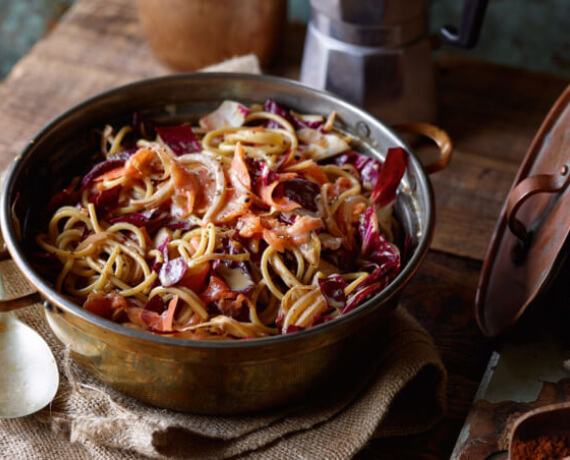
column 541, row 448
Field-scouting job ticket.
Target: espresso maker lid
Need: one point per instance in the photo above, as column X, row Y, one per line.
column 373, row 23
column 391, row 22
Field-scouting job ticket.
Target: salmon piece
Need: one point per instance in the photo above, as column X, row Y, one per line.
column 149, row 319
column 277, row 240
column 195, row 242
column 300, row 231
column 230, row 303
column 277, row 234
column 104, row 305
column 206, row 188
column 167, row 318
column 315, row 171
column 137, row 166
column 145, row 318
column 186, row 190
column 236, row 203
column 238, row 198
column 249, row 225
column 195, row 277
column 216, row 290
column 341, row 185
column 239, row 168
column 283, row 204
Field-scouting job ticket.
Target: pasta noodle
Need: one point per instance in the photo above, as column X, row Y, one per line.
column 255, row 222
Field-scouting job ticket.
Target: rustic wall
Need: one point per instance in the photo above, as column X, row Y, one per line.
column 22, row 23
column 533, row 34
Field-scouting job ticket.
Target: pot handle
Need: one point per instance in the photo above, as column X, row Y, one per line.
column 437, row 135
column 541, row 183
column 8, row 304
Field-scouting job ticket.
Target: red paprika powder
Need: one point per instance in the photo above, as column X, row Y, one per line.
column 542, row 447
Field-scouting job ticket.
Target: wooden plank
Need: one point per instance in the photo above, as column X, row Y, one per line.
column 469, row 197
column 103, row 35
column 491, row 114
column 493, row 110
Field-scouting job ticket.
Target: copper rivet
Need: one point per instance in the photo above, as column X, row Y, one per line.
column 362, row 129
column 413, row 184
column 564, row 170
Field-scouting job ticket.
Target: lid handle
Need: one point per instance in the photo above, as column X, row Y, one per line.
column 541, row 183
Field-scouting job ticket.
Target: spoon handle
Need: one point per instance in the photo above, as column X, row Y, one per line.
column 19, row 302
column 13, row 303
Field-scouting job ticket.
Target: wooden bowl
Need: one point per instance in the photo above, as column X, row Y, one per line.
column 190, row 34
column 542, row 433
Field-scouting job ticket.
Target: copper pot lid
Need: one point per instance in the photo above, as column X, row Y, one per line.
column 532, row 238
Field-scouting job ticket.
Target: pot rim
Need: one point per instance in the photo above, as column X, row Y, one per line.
column 60, row 301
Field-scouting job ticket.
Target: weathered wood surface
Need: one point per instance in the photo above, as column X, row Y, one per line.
column 491, row 113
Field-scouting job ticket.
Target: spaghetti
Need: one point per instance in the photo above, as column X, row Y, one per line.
column 256, row 221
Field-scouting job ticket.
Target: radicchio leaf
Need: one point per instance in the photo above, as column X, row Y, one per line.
column 390, row 176
column 407, row 250
column 372, row 284
column 360, row 295
column 236, row 278
column 375, row 248
column 235, row 274
column 179, row 138
column 332, row 288
column 342, row 257
column 260, row 172
column 172, row 271
column 123, row 155
column 99, row 169
column 379, row 255
column 283, row 159
column 156, row 304
column 273, row 107
column 302, row 191
column 138, row 219
column 368, row 168
column 176, row 224
column 321, row 319
column 106, row 200
column 152, row 220
column 228, row 114
column 293, row 328
column 288, row 218
column 63, row 198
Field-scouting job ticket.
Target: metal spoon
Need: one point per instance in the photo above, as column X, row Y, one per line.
column 29, row 377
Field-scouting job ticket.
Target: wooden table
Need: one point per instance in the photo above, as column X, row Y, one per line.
column 490, row 112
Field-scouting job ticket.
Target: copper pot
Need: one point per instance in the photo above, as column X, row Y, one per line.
column 205, row 376
column 191, row 34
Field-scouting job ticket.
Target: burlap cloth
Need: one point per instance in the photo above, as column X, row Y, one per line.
column 404, row 393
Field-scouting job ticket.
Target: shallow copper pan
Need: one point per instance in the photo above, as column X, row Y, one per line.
column 531, row 241
column 201, row 376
